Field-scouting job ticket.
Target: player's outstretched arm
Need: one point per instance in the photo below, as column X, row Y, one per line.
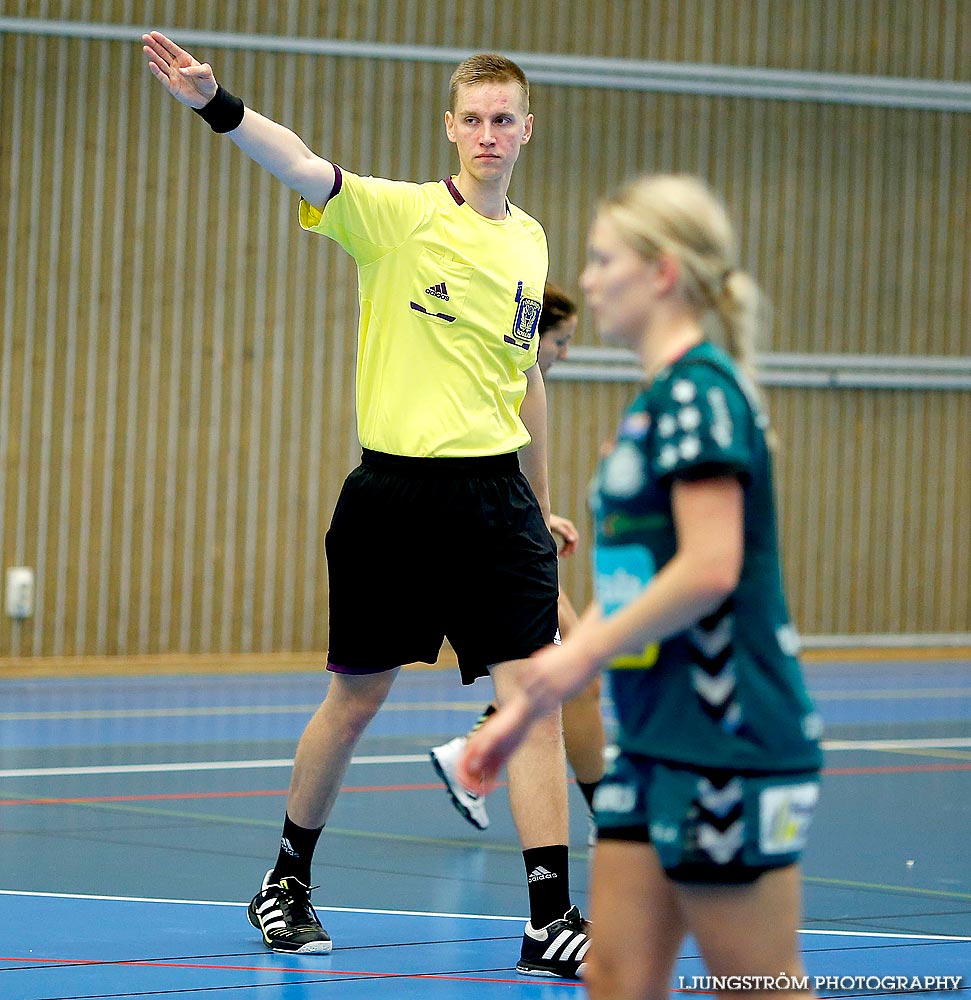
column 282, row 152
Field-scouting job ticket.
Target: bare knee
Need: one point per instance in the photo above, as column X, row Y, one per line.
column 588, row 696
column 352, row 702
column 607, row 980
column 548, row 729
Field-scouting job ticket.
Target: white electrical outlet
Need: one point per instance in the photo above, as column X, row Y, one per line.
column 20, row 591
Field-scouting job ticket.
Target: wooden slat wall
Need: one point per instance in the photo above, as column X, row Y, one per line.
column 177, row 359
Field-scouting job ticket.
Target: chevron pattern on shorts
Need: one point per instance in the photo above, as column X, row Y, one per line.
column 720, row 826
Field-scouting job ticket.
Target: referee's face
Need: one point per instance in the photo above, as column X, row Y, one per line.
column 489, row 127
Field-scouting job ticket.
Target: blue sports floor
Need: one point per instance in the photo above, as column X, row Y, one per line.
column 138, row 815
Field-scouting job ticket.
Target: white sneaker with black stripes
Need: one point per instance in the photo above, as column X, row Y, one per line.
column 558, row 949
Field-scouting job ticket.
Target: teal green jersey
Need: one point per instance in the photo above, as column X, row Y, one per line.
column 727, row 692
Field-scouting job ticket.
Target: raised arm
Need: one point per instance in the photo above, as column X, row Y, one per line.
column 282, row 152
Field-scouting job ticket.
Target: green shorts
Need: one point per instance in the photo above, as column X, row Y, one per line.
column 709, row 827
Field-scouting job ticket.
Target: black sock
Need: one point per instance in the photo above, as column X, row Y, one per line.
column 588, row 788
column 548, row 878
column 296, row 852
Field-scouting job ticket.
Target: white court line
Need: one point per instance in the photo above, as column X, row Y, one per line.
column 430, row 913
column 244, row 765
column 95, row 714
column 943, row 743
column 203, row 711
column 208, row 902
column 197, row 765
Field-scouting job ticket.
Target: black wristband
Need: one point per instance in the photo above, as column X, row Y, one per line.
column 223, row 113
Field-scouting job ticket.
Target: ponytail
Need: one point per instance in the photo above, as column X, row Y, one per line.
column 736, row 305
column 739, row 306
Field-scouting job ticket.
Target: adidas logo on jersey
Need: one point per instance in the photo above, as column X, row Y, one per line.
column 439, row 291
column 540, row 873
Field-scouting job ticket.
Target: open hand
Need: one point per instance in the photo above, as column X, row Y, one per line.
column 189, row 81
column 490, row 746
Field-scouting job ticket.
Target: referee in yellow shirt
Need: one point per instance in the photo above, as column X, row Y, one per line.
column 452, row 422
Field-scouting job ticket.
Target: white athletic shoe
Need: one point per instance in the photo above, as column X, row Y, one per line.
column 470, row 805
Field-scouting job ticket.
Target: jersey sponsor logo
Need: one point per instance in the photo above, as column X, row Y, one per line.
column 615, row 798
column 785, row 812
column 440, row 291
column 722, row 430
column 623, row 472
column 621, row 572
column 664, row 833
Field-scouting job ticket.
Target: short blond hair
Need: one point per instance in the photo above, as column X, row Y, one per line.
column 487, row 67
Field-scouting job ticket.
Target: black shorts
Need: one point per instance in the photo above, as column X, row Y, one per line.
column 423, row 548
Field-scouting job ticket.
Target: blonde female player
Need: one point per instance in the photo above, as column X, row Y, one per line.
column 704, row 814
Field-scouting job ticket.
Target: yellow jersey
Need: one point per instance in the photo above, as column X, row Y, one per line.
column 450, row 304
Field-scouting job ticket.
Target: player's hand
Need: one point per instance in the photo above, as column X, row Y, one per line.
column 189, row 81
column 491, row 745
column 566, row 535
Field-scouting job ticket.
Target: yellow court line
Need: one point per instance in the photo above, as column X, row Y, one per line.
column 16, row 668
column 300, row 662
column 883, row 653
column 841, row 883
column 938, row 752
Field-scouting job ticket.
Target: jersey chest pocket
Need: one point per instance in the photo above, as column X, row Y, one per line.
column 441, row 287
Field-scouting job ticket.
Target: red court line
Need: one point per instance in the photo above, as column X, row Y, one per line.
column 169, row 796
column 275, row 970
column 164, row 796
